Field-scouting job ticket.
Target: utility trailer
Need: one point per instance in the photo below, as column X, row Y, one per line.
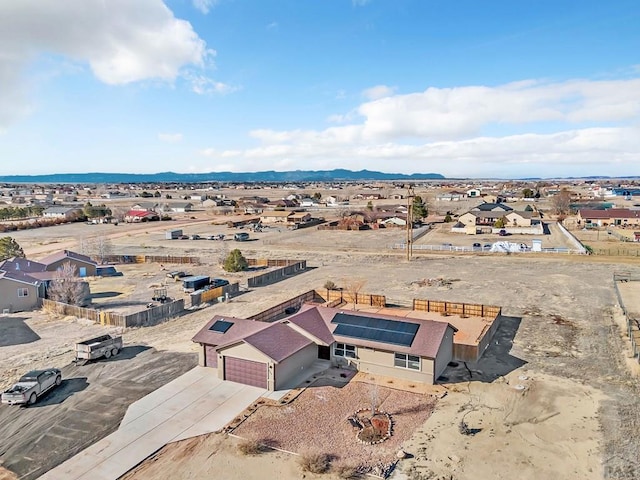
column 191, row 284
column 98, row 347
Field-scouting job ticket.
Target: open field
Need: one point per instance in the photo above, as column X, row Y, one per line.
column 560, row 334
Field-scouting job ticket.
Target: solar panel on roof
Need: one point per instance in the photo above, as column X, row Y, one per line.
column 221, row 326
column 376, row 329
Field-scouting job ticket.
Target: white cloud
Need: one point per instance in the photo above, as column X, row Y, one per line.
column 272, row 26
column 204, row 6
column 379, row 91
column 578, row 126
column 203, row 85
column 170, row 137
column 122, row 41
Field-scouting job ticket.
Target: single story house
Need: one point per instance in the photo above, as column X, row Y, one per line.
column 137, row 216
column 492, row 207
column 67, row 213
column 85, row 267
column 181, row 207
column 611, row 216
column 473, row 193
column 450, row 196
column 273, row 355
column 275, row 216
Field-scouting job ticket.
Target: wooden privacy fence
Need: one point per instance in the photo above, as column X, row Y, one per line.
column 212, row 296
column 66, row 309
column 342, row 296
column 291, row 305
column 147, row 259
column 277, row 275
column 270, row 262
column 150, row 316
column 454, row 308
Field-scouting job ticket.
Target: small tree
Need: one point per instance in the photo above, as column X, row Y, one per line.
column 235, row 261
column 499, row 223
column 419, row 208
column 447, row 218
column 66, row 286
column 562, row 202
column 10, row 248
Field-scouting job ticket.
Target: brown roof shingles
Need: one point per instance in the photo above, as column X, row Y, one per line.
column 278, row 342
column 240, row 329
column 310, row 320
column 61, row 255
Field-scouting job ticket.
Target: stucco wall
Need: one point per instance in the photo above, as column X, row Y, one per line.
column 242, row 350
column 91, row 269
column 381, row 362
column 445, row 353
column 295, row 365
column 9, row 296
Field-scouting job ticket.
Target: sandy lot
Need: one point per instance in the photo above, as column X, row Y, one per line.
column 579, row 393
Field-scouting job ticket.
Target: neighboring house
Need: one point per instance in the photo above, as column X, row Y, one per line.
column 611, row 216
column 274, row 355
column 137, row 216
column 492, row 207
column 146, row 207
column 85, row 267
column 19, row 292
column 275, row 216
column 299, row 217
column 66, row 213
column 480, row 218
column 450, row 196
column 473, row 193
column 181, row 207
column 394, row 221
column 519, row 219
column 309, row 202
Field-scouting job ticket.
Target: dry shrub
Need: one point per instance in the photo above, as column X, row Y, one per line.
column 250, row 447
column 347, row 472
column 314, row 462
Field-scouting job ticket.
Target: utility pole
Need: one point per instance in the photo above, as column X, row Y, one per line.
column 410, row 195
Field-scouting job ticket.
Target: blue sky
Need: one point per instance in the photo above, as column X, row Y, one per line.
column 463, row 88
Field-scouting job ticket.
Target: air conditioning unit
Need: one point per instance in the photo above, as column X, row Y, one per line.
column 6, row 311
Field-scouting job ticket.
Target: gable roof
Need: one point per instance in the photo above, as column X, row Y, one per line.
column 487, row 207
column 278, row 341
column 60, row 210
column 19, row 277
column 66, row 254
column 309, row 319
column 19, row 264
column 240, row 329
column 610, row 213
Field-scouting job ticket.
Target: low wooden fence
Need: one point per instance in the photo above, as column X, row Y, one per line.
column 291, row 305
column 213, row 295
column 150, row 316
column 454, row 308
column 168, row 259
column 342, row 296
column 277, row 275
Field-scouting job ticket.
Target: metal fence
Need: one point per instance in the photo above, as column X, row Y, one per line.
column 454, row 248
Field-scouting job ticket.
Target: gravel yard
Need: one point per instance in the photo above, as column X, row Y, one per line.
column 316, row 421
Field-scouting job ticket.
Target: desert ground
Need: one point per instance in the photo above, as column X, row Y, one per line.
column 555, row 395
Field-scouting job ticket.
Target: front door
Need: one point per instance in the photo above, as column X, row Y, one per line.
column 324, row 353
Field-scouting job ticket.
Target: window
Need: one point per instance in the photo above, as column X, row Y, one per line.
column 402, row 360
column 344, row 350
column 23, row 292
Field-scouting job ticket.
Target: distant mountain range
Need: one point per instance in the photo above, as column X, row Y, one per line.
column 171, row 177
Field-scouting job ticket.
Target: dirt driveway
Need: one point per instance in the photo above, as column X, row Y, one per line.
column 89, row 405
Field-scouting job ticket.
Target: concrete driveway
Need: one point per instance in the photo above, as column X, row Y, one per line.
column 193, row 404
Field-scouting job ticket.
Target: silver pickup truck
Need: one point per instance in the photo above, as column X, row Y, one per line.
column 31, row 386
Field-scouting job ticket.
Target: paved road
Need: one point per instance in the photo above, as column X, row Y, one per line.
column 89, row 404
column 194, row 404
